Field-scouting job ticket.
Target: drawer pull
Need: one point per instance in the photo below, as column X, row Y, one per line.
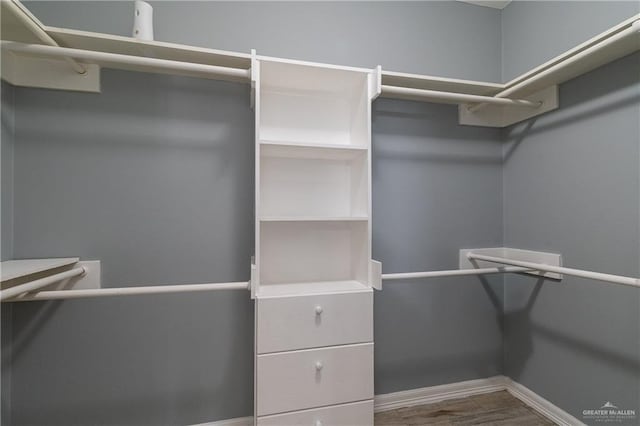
column 319, row 366
column 318, row 310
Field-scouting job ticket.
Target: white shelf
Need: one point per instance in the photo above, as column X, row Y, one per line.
column 314, row 218
column 311, row 288
column 12, row 269
column 310, row 150
column 427, row 82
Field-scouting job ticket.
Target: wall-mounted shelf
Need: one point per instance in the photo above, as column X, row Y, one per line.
column 14, row 269
column 315, row 106
column 428, row 82
column 20, row 278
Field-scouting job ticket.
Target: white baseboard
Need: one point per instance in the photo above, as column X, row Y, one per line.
column 541, row 405
column 238, row 421
column 433, row 394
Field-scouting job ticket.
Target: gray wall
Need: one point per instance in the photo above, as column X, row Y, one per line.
column 436, row 189
column 163, row 166
column 437, row 37
column 534, row 32
column 572, row 185
column 6, row 237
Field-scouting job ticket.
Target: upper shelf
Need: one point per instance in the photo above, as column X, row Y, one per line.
column 93, row 50
column 153, row 49
column 606, row 47
column 12, row 269
column 427, row 82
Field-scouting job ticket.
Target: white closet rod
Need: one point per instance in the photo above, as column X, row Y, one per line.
column 153, row 64
column 452, row 97
column 28, row 20
column 129, row 291
column 453, row 273
column 616, row 279
column 38, row 284
column 632, row 30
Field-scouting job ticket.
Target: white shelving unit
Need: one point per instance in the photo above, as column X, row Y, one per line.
column 313, row 170
column 313, row 240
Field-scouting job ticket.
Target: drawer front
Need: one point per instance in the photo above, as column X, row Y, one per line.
column 313, row 378
column 355, row 414
column 300, row 322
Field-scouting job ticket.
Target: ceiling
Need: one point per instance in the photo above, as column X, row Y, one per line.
column 496, row 4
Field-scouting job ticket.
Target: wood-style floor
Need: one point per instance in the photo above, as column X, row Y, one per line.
column 497, row 408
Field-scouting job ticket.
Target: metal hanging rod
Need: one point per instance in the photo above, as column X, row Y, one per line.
column 128, row 291
column 453, row 273
column 452, row 97
column 616, row 279
column 633, row 29
column 40, row 283
column 164, row 66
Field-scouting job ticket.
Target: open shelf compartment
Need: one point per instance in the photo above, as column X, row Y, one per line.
column 310, row 104
column 313, row 182
column 299, row 253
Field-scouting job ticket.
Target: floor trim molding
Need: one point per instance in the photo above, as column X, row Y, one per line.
column 433, row 394
column 238, row 421
column 541, row 405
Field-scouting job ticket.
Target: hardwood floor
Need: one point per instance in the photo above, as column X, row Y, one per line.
column 497, row 408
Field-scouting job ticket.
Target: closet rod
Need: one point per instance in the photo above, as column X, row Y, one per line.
column 453, row 273
column 28, row 20
column 148, row 64
column 38, row 284
column 633, row 29
column 129, row 291
column 452, row 97
column 616, row 279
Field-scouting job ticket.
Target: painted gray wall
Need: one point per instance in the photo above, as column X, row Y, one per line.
column 534, row 32
column 572, row 186
column 436, row 189
column 6, row 237
column 7, row 120
column 437, row 37
column 166, row 176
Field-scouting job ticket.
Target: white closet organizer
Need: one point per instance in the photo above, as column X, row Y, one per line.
column 312, row 274
column 314, row 302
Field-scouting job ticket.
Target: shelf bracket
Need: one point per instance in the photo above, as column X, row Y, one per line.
column 46, row 73
column 552, row 259
column 503, row 116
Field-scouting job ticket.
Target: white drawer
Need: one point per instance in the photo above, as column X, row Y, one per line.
column 311, row 321
column 354, row 414
column 311, row 378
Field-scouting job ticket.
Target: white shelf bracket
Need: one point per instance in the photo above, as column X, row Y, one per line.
column 504, row 115
column 254, row 77
column 376, row 274
column 253, row 283
column 47, row 73
column 552, row 259
column 375, row 83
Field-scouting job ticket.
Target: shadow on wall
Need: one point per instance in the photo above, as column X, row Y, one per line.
column 521, row 345
column 581, row 99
